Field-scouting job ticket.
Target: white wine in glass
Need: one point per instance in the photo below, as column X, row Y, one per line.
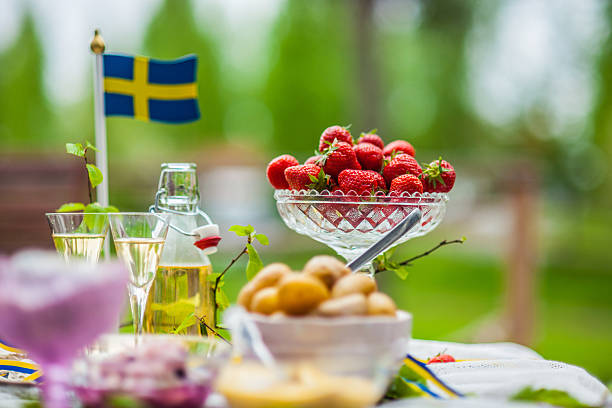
column 141, row 255
column 78, row 235
column 139, row 240
column 86, row 246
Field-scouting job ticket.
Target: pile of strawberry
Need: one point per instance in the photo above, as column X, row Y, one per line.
column 366, row 166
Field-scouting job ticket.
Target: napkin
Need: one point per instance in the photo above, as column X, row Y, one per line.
column 501, row 370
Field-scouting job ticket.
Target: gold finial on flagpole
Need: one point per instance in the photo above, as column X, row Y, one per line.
column 97, row 44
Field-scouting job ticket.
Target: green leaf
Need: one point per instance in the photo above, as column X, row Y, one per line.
column 71, row 207
column 402, row 271
column 263, row 240
column 188, row 321
column 222, row 300
column 90, row 146
column 94, row 208
column 75, row 149
column 95, row 175
column 399, row 389
column 111, row 209
column 553, row 397
column 255, row 264
column 212, row 276
column 242, row 231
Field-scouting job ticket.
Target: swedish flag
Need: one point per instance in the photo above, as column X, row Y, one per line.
column 148, row 89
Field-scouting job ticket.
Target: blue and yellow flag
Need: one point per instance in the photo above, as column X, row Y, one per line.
column 148, row 89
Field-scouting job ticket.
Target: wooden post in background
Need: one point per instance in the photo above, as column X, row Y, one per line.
column 521, row 290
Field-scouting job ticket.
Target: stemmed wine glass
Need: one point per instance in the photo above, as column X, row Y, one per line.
column 78, row 234
column 139, row 240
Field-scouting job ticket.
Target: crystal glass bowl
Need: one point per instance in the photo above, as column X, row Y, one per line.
column 162, row 371
column 350, row 223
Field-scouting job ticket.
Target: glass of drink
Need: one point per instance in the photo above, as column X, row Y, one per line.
column 78, row 235
column 139, row 239
column 52, row 309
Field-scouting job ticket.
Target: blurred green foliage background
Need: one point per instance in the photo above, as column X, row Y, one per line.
column 491, row 86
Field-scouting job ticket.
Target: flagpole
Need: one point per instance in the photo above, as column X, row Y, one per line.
column 98, row 46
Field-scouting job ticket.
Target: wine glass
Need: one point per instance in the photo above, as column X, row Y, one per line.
column 52, row 310
column 139, row 240
column 78, row 235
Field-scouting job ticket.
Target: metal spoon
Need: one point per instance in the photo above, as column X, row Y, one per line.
column 385, row 242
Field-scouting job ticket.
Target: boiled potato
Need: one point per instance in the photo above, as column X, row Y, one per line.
column 246, row 295
column 355, row 304
column 268, row 276
column 354, row 283
column 326, row 268
column 298, row 293
column 381, row 304
column 265, row 301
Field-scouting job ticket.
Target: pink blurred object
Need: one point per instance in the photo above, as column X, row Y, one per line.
column 52, row 310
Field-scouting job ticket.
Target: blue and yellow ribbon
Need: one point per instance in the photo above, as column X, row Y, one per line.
column 21, row 367
column 421, row 370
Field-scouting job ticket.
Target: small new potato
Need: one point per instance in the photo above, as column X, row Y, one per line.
column 381, row 304
column 326, row 268
column 354, row 283
column 265, row 301
column 268, row 276
column 349, row 305
column 298, row 293
column 246, row 295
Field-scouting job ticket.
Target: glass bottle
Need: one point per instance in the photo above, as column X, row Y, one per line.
column 181, row 295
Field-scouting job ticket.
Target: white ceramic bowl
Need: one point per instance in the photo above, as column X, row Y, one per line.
column 319, row 337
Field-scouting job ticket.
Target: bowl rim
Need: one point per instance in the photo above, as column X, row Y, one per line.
column 401, row 317
column 287, row 193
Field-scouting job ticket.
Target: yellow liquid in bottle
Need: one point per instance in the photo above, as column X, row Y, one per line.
column 177, row 293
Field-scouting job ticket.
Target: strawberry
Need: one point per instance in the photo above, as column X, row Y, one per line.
column 438, row 177
column 401, row 164
column 359, row 181
column 406, row 183
column 441, row 358
column 334, row 133
column 276, row 170
column 382, row 185
column 339, row 156
column 369, row 156
column 306, row 176
column 398, row 146
column 312, row 159
column 372, row 138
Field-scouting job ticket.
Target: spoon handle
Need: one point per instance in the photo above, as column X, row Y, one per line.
column 385, row 242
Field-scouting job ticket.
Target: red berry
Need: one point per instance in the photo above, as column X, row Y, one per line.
column 438, row 177
column 371, row 138
column 339, row 156
column 305, row 177
column 312, row 159
column 369, row 156
column 406, row 183
column 398, row 146
column 332, row 133
column 382, row 185
column 401, row 164
column 276, row 170
column 359, row 181
column 441, row 358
